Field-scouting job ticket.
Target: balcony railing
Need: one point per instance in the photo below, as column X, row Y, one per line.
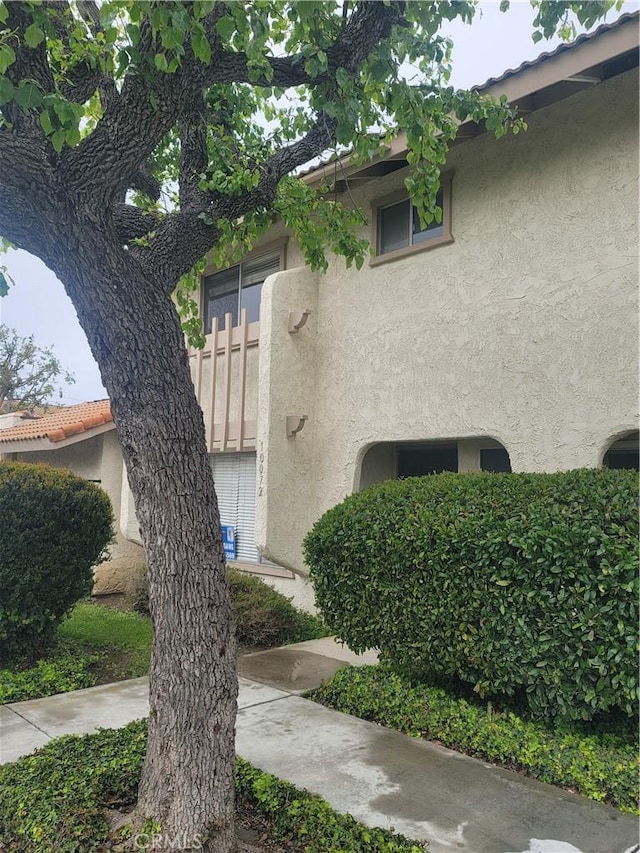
column 225, row 376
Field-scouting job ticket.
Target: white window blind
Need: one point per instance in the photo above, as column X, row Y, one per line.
column 235, row 479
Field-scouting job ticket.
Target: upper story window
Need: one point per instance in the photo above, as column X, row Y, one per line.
column 240, row 286
column 398, row 231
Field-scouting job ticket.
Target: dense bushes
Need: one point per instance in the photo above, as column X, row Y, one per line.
column 263, row 616
column 599, row 765
column 56, row 800
column 520, row 584
column 55, row 527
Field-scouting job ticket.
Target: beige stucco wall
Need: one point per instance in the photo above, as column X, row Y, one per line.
column 100, row 459
column 524, row 329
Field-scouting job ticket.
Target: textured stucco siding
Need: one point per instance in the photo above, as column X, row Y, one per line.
column 523, row 330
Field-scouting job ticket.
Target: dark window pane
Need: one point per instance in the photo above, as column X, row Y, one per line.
column 393, row 227
column 418, row 461
column 617, row 459
column 495, row 459
column 434, row 229
column 221, row 297
column 250, row 299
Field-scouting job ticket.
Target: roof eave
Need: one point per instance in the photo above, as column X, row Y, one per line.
column 37, row 445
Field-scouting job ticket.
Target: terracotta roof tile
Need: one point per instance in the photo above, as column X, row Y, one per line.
column 59, row 424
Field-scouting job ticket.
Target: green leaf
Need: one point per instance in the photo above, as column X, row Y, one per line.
column 57, row 139
column 4, row 285
column 201, row 46
column 7, row 90
column 4, row 12
column 72, row 137
column 28, row 95
column 160, row 61
column 45, row 122
column 226, row 27
column 33, row 35
column 7, row 57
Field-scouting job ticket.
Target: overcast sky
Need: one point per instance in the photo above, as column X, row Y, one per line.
column 38, row 304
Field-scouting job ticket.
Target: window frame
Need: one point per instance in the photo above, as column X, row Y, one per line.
column 446, row 179
column 276, row 246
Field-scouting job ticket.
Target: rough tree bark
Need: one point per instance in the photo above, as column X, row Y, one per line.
column 134, row 331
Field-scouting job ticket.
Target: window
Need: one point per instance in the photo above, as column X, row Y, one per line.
column 239, row 287
column 235, row 481
column 495, row 459
column 624, row 453
column 419, row 461
column 398, row 229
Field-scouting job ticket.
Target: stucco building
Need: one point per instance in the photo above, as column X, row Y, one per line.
column 503, row 339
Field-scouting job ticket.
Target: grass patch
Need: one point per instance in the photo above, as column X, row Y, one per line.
column 599, row 764
column 56, row 800
column 122, row 639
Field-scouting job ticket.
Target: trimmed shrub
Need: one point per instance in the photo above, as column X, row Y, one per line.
column 523, row 585
column 264, row 617
column 600, row 765
column 55, row 527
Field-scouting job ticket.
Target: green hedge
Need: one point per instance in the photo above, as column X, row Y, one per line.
column 519, row 584
column 55, row 527
column 263, row 616
column 55, row 800
column 600, row 765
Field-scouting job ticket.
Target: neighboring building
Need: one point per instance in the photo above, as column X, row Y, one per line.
column 504, row 338
column 82, row 439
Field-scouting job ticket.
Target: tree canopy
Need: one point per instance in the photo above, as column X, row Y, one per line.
column 29, row 375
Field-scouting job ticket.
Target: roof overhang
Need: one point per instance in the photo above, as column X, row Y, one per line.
column 551, row 78
column 37, row 445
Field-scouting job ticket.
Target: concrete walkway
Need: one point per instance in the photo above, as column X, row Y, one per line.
column 381, row 777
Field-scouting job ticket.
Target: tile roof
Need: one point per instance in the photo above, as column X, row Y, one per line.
column 59, row 424
column 319, row 163
column 603, row 28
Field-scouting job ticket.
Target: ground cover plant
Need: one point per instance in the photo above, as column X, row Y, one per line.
column 520, row 585
column 599, row 762
column 55, row 528
column 63, row 797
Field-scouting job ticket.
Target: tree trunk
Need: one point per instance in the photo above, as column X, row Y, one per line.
column 187, row 787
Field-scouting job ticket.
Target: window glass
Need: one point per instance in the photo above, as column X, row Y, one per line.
column 250, row 299
column 433, row 229
column 229, row 291
column 419, row 461
column 221, row 297
column 394, row 227
column 495, row 459
column 617, row 459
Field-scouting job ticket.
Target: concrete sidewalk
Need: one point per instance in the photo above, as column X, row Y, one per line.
column 381, row 777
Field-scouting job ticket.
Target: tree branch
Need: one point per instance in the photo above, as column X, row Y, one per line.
column 193, row 155
column 172, row 253
column 370, row 23
column 131, row 223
